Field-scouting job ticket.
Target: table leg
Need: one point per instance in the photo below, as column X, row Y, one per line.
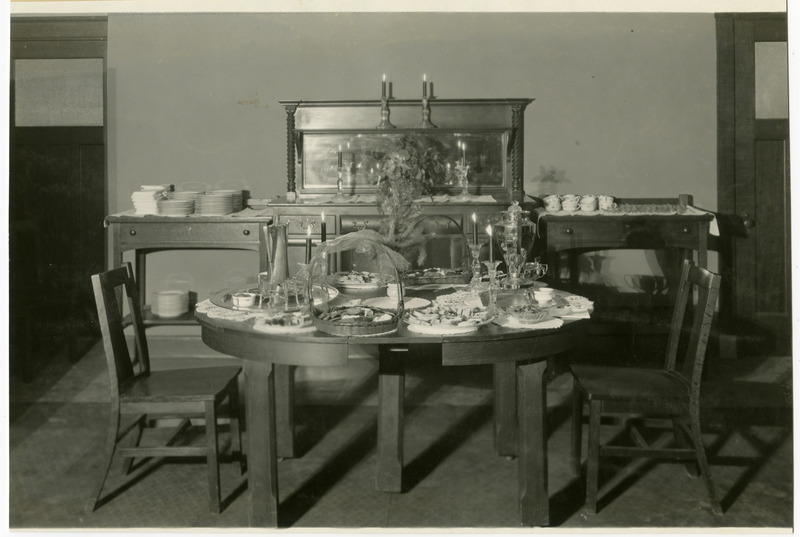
column 391, row 385
column 284, row 409
column 534, row 500
column 262, row 461
column 505, row 409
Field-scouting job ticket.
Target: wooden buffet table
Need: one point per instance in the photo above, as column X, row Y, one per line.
column 525, row 351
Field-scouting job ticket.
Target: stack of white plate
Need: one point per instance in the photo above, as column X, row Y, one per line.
column 237, row 200
column 175, row 207
column 192, row 195
column 173, row 303
column 214, row 204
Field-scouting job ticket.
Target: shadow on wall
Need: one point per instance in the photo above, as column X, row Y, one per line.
column 549, row 181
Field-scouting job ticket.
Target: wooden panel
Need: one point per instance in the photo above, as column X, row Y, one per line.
column 772, row 247
column 188, row 233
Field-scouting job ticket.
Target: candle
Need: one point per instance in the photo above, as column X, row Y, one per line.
column 323, row 228
column 391, row 95
column 424, row 85
column 340, row 156
column 383, row 86
column 431, row 88
column 464, row 154
column 474, row 228
column 308, row 245
column 489, row 232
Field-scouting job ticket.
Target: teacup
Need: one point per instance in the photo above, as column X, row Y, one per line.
column 243, row 300
column 569, row 198
column 543, row 295
column 606, row 203
column 589, row 203
column 552, row 202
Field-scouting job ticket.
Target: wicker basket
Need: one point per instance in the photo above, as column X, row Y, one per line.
column 387, row 260
column 356, row 328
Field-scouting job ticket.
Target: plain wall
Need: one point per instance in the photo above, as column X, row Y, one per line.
column 625, row 104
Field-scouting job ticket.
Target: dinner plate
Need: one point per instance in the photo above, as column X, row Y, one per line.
column 387, row 303
column 446, row 329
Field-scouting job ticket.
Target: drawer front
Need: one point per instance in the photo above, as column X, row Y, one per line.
column 297, row 224
column 355, row 222
column 612, row 233
column 188, row 233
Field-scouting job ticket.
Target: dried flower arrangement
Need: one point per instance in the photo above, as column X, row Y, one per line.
column 408, row 173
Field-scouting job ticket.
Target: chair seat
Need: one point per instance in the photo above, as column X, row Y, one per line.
column 181, row 385
column 630, row 384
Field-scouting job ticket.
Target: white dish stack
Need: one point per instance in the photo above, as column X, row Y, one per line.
column 236, row 198
column 175, row 207
column 171, row 303
column 212, row 204
column 186, row 195
column 145, row 200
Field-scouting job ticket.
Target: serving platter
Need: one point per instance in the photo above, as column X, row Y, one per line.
column 357, row 280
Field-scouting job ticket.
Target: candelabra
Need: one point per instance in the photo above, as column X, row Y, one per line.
column 385, row 123
column 426, row 114
column 491, row 267
column 462, row 172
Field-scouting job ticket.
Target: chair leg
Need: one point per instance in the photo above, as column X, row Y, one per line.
column 593, row 458
column 236, row 426
column 577, row 427
column 128, row 464
column 111, row 446
column 212, row 458
column 702, row 461
column 680, row 440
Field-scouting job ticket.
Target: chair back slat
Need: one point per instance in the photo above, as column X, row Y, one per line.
column 118, row 359
column 691, row 340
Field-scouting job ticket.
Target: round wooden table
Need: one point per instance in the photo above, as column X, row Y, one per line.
column 519, row 358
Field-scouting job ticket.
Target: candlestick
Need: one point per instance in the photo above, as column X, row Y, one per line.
column 474, row 228
column 323, row 228
column 424, row 85
column 308, row 245
column 489, row 232
column 340, row 156
column 383, row 86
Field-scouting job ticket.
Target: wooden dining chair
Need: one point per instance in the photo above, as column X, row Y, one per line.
column 143, row 395
column 637, row 392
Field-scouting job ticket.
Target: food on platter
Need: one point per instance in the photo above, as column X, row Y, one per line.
column 357, row 279
column 529, row 313
column 437, row 275
column 358, row 316
column 297, row 319
column 449, row 315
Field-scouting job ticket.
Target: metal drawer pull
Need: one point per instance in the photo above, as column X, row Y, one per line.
column 133, row 232
column 398, row 349
column 687, row 230
column 569, row 231
column 246, row 232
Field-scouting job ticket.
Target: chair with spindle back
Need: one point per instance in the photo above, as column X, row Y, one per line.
column 669, row 392
column 145, row 394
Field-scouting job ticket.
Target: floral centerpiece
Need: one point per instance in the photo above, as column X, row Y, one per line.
column 408, row 173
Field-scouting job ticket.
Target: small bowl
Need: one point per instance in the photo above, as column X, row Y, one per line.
column 543, row 295
column 243, row 300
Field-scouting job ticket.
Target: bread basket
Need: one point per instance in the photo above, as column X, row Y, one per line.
column 338, row 316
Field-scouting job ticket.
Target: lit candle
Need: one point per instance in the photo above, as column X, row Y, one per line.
column 308, row 244
column 474, row 227
column 424, row 85
column 323, row 228
column 383, row 86
column 340, row 156
column 489, row 232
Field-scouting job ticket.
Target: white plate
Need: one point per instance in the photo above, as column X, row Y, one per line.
column 446, row 329
column 388, row 303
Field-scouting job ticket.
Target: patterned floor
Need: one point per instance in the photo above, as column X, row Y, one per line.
column 453, row 477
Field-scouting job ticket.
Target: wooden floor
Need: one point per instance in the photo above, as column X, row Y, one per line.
column 454, row 479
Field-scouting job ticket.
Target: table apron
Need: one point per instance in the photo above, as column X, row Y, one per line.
column 255, row 347
column 511, row 350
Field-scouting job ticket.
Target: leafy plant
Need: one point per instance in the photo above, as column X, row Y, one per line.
column 408, row 173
